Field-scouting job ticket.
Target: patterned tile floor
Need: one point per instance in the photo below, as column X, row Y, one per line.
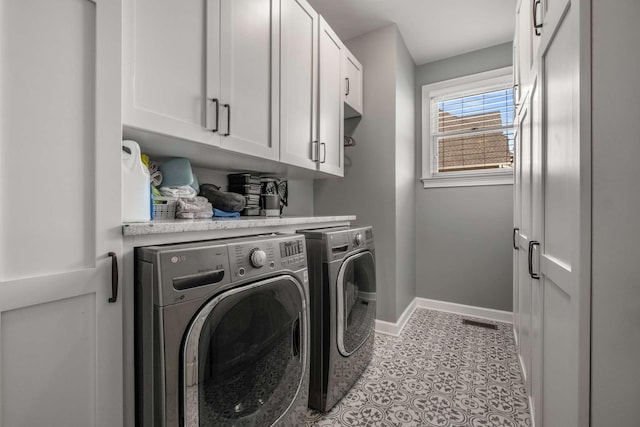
column 438, row 372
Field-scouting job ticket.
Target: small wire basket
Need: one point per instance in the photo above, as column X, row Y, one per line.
column 164, row 207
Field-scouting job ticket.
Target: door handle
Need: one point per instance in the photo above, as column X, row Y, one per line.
column 324, row 151
column 536, row 26
column 228, row 107
column 515, row 231
column 296, row 333
column 114, row 277
column 217, row 102
column 315, row 151
column 348, row 87
column 531, row 273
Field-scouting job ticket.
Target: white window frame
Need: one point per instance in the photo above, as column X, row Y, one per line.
column 461, row 178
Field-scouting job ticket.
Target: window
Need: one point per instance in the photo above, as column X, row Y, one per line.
column 468, row 132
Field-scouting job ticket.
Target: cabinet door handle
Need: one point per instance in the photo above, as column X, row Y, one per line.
column 536, row 26
column 114, row 277
column 515, row 231
column 324, row 152
column 531, row 273
column 217, row 104
column 315, row 151
column 228, row 107
column 348, row 87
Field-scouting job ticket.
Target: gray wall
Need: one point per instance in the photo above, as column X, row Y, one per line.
column 615, row 367
column 463, row 234
column 369, row 187
column 405, row 175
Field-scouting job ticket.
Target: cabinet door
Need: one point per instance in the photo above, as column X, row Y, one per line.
column 524, row 52
column 249, row 76
column 517, row 166
column 536, row 288
column 353, row 85
column 298, row 83
column 164, row 66
column 565, row 228
column 330, row 103
column 60, row 135
column 524, row 197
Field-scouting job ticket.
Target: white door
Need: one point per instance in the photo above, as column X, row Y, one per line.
column 535, row 373
column 298, row 83
column 352, row 70
column 249, row 76
column 330, row 102
column 564, row 253
column 517, row 166
column 164, row 66
column 525, row 231
column 60, row 134
column 524, row 53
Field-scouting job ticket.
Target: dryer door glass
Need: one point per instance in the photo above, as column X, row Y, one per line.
column 243, row 355
column 356, row 301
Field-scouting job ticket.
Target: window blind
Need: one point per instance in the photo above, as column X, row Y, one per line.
column 473, row 129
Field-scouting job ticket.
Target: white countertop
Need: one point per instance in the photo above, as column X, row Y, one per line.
column 184, row 225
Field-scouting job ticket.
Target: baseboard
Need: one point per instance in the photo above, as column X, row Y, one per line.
column 395, row 329
column 465, row 310
column 389, row 328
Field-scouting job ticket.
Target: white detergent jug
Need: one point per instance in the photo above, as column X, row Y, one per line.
column 136, row 190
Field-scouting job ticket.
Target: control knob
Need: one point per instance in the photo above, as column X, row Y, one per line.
column 358, row 240
column 258, row 258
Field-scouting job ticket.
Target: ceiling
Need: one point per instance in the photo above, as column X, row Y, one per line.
column 432, row 29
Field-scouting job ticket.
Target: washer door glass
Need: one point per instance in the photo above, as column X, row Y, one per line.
column 356, row 301
column 243, row 355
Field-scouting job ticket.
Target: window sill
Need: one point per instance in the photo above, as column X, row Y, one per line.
column 468, row 181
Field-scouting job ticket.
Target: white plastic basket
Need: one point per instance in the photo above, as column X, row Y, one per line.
column 164, row 207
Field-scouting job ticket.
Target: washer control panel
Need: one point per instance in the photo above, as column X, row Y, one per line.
column 250, row 257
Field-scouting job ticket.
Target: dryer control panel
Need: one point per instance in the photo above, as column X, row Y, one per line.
column 248, row 258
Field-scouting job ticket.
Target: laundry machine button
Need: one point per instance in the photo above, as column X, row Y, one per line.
column 241, row 271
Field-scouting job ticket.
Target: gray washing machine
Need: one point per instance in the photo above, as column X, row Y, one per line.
column 222, row 333
column 342, row 286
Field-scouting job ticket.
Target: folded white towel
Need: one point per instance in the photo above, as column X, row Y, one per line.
column 197, row 207
column 182, row 191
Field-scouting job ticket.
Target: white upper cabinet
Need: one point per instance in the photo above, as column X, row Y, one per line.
column 524, row 54
column 352, row 70
column 60, row 134
column 204, row 71
column 311, row 109
column 299, row 84
column 330, row 101
column 247, row 89
column 164, row 68
column 258, row 77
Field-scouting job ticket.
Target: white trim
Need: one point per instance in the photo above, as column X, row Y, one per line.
column 389, row 328
column 466, row 310
column 468, row 181
column 428, row 91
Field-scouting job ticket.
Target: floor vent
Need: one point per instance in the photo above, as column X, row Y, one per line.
column 480, row 324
